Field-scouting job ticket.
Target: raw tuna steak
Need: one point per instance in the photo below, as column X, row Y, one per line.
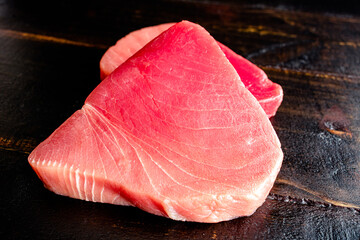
column 172, row 131
column 268, row 93
column 127, row 46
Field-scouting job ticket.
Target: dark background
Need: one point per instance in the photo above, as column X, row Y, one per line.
column 49, row 63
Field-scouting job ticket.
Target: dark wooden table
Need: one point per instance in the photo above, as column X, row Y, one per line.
column 49, row 63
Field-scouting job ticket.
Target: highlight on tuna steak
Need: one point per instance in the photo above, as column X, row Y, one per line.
column 268, row 93
column 172, row 131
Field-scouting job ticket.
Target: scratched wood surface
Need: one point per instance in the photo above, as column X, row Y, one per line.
column 49, row 57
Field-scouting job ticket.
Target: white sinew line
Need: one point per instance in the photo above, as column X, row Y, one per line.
column 77, row 180
column 137, row 154
column 184, row 143
column 93, row 131
column 115, row 198
column 105, row 146
column 93, row 185
column 142, row 164
column 173, row 179
column 102, row 193
column 64, row 176
column 85, row 185
column 71, row 178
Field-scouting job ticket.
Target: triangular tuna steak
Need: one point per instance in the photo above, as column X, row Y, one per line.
column 268, row 93
column 172, row 131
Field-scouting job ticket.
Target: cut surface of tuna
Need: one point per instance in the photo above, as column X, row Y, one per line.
column 268, row 93
column 172, row 131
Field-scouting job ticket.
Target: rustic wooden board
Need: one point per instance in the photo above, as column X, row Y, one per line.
column 49, row 57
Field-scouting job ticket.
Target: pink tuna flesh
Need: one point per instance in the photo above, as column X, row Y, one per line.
column 172, row 131
column 268, row 93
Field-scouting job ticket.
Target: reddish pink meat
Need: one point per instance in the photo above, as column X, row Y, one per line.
column 172, row 131
column 268, row 93
column 127, row 46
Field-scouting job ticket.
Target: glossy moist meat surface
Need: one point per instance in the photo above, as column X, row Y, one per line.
column 268, row 93
column 172, row 131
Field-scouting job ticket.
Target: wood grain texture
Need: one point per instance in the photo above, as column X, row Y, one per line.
column 49, row 63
